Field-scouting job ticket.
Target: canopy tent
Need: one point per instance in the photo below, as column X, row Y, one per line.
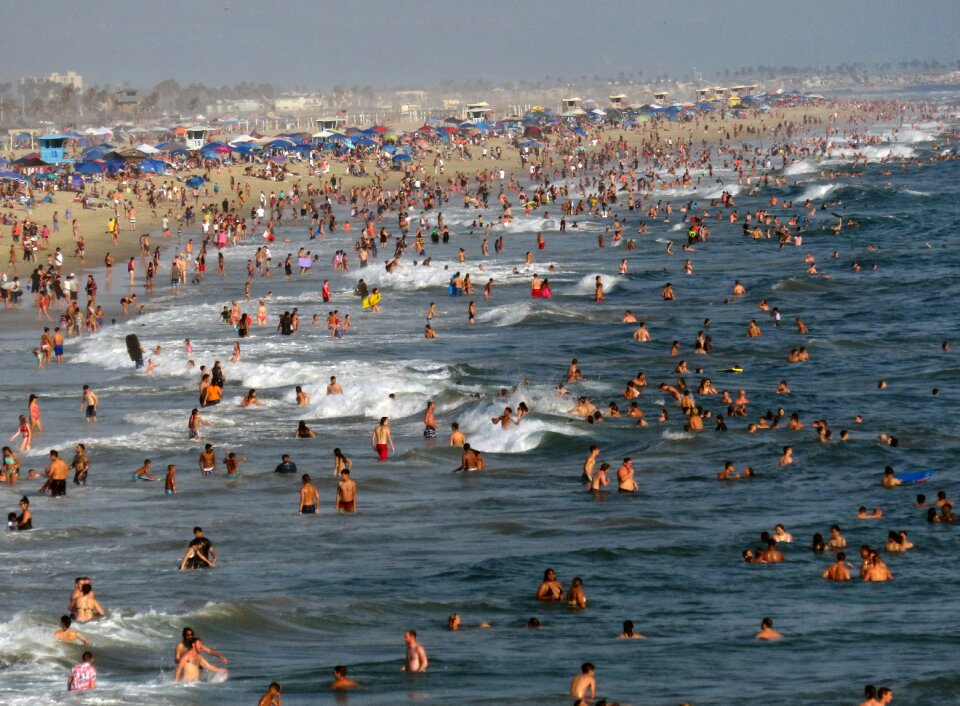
column 148, row 149
column 89, row 167
column 195, row 182
column 153, row 166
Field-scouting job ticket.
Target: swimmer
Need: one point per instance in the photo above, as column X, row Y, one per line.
column 766, row 631
column 309, row 497
column 471, row 460
column 272, row 696
column 143, row 473
column 584, row 682
column 67, row 634
column 889, row 479
column 415, row 659
column 550, row 589
column 628, row 632
column 341, row 682
column 839, row 571
column 625, row 481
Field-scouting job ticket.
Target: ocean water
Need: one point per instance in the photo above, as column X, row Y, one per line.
column 293, row 596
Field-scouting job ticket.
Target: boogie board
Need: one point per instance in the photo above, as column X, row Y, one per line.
column 133, row 348
column 914, row 476
column 371, row 301
column 731, row 370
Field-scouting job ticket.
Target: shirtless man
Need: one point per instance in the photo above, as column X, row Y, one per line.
column 207, row 460
column 416, row 657
column 766, row 631
column 889, row 479
column 346, row 500
column 837, row 540
column 272, row 696
column 429, row 421
column 90, row 402
column 191, row 662
column 471, row 460
column 334, row 388
column 573, row 371
column 505, row 419
column 57, row 473
column 182, row 647
column 838, row 571
column 457, row 437
column 86, row 606
column 341, row 682
column 309, row 497
column 599, row 480
column 381, row 437
column 584, row 682
column 589, row 463
column 625, row 481
column 641, row 335
column 67, row 633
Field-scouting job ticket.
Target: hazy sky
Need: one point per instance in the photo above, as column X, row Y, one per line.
column 421, row 42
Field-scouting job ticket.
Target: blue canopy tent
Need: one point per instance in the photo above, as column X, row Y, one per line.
column 279, row 144
column 89, row 167
column 14, row 176
column 364, row 141
column 401, row 157
column 194, row 182
column 153, row 166
column 244, row 150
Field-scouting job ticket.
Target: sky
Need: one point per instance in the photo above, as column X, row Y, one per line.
column 419, row 43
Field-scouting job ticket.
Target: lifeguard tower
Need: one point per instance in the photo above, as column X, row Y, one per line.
column 570, row 106
column 477, row 112
column 53, row 148
column 196, row 136
column 331, row 122
column 662, row 97
column 618, row 101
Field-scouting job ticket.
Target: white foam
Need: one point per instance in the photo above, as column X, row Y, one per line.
column 588, row 283
column 816, row 192
column 804, row 166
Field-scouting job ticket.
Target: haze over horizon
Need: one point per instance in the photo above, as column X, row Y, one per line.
column 371, row 42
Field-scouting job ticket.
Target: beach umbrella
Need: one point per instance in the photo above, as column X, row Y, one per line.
column 379, row 129
column 364, row 141
column 401, row 157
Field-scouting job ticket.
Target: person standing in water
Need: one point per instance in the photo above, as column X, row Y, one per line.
column 416, row 657
column 381, row 437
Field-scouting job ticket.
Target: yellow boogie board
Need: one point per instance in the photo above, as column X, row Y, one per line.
column 371, row 301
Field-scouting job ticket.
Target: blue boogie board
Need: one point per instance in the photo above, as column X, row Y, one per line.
column 914, row 476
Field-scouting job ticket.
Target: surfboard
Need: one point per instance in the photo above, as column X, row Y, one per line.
column 371, row 301
column 133, row 348
column 914, row 476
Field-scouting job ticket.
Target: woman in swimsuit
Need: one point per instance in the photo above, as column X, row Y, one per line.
column 304, row 432
column 23, row 430
column 575, row 597
column 25, row 518
column 340, row 462
column 550, row 589
column 11, row 465
column 34, row 406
